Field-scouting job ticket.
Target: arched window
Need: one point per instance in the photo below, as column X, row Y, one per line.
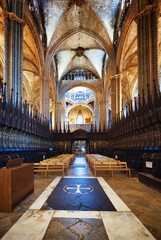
column 79, row 74
column 135, row 94
column 80, row 118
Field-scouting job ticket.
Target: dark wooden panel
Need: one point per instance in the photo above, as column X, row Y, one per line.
column 15, row 184
column 150, row 180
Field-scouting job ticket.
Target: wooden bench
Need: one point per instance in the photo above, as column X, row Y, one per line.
column 38, row 168
column 121, row 167
column 65, row 161
column 48, row 168
column 56, row 167
column 100, row 166
column 110, row 167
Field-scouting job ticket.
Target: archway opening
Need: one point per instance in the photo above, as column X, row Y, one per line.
column 80, row 147
column 79, row 108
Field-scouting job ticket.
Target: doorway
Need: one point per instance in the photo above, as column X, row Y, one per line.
column 80, row 147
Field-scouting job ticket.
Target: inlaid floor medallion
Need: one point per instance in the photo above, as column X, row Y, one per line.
column 85, row 194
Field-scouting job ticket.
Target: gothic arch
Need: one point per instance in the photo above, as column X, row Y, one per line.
column 77, row 105
column 87, row 85
column 99, row 39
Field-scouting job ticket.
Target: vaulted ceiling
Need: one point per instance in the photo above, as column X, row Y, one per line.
column 80, row 33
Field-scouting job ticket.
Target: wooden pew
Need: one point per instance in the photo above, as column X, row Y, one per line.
column 121, row 167
column 56, row 167
column 38, row 168
column 110, row 167
column 49, row 167
column 102, row 166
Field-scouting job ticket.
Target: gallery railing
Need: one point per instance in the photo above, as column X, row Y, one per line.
column 86, row 127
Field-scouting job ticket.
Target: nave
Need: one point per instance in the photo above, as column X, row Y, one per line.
column 34, row 222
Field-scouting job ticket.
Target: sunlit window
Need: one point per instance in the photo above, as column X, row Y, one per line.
column 80, row 118
column 80, row 94
column 79, row 74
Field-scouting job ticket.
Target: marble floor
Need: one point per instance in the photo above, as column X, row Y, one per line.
column 137, row 215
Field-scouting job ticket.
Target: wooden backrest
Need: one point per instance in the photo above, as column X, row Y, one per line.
column 3, row 160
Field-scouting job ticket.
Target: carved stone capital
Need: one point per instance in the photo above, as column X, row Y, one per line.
column 148, row 10
column 116, row 77
column 13, row 17
column 5, row 15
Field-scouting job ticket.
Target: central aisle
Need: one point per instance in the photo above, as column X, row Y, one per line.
column 79, row 167
column 52, row 224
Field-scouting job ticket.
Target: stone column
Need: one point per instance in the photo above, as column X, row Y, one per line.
column 7, row 39
column 96, row 113
column 53, row 115
column 57, row 113
column 103, row 114
column 13, row 18
column 44, row 97
column 147, row 31
column 116, row 95
column 63, row 114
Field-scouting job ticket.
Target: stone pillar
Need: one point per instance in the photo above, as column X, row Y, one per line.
column 103, row 115
column 57, row 113
column 62, row 111
column 116, row 95
column 147, row 31
column 13, row 18
column 44, row 94
column 96, row 113
column 53, row 115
